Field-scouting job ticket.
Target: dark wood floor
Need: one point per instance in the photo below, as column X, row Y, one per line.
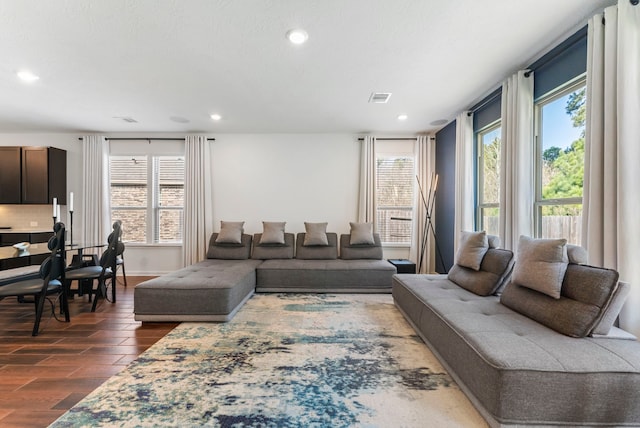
column 42, row 377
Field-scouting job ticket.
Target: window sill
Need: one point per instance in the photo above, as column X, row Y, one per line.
column 395, row 245
column 143, row 245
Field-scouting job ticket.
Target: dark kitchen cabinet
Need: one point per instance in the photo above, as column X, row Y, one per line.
column 44, row 175
column 9, row 175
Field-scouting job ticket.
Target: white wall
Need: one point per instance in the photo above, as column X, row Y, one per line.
column 257, row 177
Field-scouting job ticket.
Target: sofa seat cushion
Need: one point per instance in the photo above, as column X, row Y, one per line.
column 520, row 371
column 211, row 290
column 325, row 276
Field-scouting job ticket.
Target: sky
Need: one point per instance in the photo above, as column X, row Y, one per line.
column 557, row 128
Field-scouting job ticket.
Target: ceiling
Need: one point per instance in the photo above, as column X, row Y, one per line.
column 170, row 64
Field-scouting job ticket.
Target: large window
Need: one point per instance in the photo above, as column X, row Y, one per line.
column 488, row 191
column 560, row 132
column 147, row 194
column 395, row 178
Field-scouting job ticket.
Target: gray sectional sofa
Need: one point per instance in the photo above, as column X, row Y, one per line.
column 215, row 289
column 514, row 355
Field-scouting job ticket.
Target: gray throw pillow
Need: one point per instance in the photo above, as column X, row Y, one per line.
column 541, row 265
column 230, row 232
column 361, row 234
column 473, row 247
column 316, row 234
column 272, row 232
column 612, row 309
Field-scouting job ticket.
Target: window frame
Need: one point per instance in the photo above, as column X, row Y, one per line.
column 572, row 85
column 480, row 205
column 389, row 149
column 152, row 208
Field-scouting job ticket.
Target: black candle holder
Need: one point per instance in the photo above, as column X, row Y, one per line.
column 71, row 228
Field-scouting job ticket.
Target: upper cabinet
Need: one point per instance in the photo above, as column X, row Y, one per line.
column 9, row 175
column 36, row 174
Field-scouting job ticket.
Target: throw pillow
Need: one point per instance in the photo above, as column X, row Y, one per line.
column 612, row 309
column 473, row 247
column 361, row 234
column 541, row 264
column 230, row 232
column 316, row 234
column 272, row 232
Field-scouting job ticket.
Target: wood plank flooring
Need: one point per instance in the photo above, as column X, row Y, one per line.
column 42, row 377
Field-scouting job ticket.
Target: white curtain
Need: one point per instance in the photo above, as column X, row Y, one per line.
column 611, row 231
column 96, row 203
column 464, row 190
column 425, row 154
column 517, row 185
column 198, row 202
column 367, row 192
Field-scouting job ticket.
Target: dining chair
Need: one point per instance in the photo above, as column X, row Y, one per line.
column 103, row 273
column 120, row 257
column 50, row 281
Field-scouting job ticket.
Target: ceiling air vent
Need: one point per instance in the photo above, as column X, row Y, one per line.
column 126, row 119
column 379, row 97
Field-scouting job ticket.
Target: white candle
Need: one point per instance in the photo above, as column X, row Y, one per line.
column 55, row 207
column 58, row 214
column 71, row 202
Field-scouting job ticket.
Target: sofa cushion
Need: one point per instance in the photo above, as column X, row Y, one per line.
column 362, row 251
column 586, row 292
column 473, row 246
column 317, row 252
column 361, row 234
column 494, row 272
column 613, row 309
column 577, row 254
column 541, row 264
column 218, row 250
column 272, row 232
column 316, row 234
column 273, row 251
column 230, row 232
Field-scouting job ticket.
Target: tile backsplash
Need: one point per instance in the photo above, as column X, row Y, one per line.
column 36, row 217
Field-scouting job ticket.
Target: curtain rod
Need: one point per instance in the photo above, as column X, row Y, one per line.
column 489, row 98
column 148, row 139
column 397, row 139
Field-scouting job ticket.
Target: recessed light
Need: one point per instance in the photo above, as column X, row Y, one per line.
column 216, row 116
column 27, row 76
column 402, row 117
column 297, row 36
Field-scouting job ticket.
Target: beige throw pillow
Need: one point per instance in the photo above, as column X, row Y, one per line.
column 473, row 247
column 541, row 265
column 315, row 234
column 230, row 232
column 361, row 234
column 272, row 232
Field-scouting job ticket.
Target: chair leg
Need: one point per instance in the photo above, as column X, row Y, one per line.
column 99, row 292
column 113, row 288
column 64, row 305
column 39, row 309
column 124, row 274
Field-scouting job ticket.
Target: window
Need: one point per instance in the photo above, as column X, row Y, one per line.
column 147, row 194
column 560, row 133
column 488, row 190
column 395, row 178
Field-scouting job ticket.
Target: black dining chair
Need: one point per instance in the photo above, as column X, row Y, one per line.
column 120, row 257
column 50, row 282
column 103, row 273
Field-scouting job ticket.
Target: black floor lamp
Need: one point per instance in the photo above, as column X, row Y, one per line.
column 428, row 202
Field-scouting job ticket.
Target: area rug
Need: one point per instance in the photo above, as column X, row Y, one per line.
column 285, row 360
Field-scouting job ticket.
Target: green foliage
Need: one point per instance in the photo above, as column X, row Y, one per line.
column 564, row 169
column 491, row 171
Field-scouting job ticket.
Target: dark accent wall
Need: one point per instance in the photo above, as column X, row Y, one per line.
column 445, row 198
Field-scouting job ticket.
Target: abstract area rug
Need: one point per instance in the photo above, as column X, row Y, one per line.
column 285, row 360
